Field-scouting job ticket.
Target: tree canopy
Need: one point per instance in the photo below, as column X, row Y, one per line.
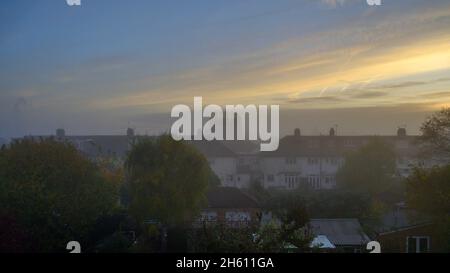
column 53, row 192
column 167, row 180
column 428, row 192
column 435, row 136
column 370, row 169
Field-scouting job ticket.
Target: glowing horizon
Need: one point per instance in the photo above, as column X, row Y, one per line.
column 91, row 71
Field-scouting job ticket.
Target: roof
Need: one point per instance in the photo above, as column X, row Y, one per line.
column 119, row 145
column 242, row 147
column 116, row 145
column 212, row 148
column 337, row 145
column 228, row 197
column 96, row 145
column 342, row 231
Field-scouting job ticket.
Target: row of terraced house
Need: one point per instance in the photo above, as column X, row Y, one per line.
column 299, row 160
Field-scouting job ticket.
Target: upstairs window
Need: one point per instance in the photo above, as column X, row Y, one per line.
column 313, row 161
column 291, row 160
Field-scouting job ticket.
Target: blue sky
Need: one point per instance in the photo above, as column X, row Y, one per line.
column 109, row 64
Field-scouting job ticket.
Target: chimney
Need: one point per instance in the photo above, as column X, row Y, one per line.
column 401, row 132
column 130, row 132
column 297, row 132
column 332, row 132
column 60, row 133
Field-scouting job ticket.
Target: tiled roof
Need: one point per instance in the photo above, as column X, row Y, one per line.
column 227, row 197
column 343, row 231
column 336, row 145
column 212, row 148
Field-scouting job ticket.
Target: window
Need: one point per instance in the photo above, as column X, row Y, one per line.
column 417, row 244
column 351, row 142
column 313, row 161
column 229, row 177
column 237, row 216
column 291, row 181
column 332, row 161
column 208, row 216
column 291, row 160
column 270, row 177
column 314, row 181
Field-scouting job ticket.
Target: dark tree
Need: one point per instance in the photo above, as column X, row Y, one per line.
column 436, row 135
column 428, row 192
column 53, row 192
column 371, row 169
column 167, row 182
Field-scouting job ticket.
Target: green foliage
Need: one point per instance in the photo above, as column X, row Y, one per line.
column 435, row 134
column 289, row 228
column 13, row 237
column 269, row 238
column 283, row 236
column 220, row 238
column 329, row 204
column 371, row 169
column 53, row 192
column 167, row 180
column 337, row 204
column 115, row 243
column 257, row 191
column 428, row 191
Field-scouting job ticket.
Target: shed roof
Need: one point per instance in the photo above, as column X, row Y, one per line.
column 343, row 231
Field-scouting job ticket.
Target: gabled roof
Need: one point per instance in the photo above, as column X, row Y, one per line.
column 119, row 145
column 96, row 145
column 212, row 148
column 242, row 147
column 336, row 145
column 342, row 231
column 228, row 197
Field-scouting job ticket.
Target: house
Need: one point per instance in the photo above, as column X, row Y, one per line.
column 408, row 239
column 300, row 160
column 315, row 160
column 223, row 162
column 340, row 235
column 97, row 146
column 403, row 230
column 230, row 206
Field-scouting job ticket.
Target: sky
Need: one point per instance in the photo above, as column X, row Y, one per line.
column 107, row 65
